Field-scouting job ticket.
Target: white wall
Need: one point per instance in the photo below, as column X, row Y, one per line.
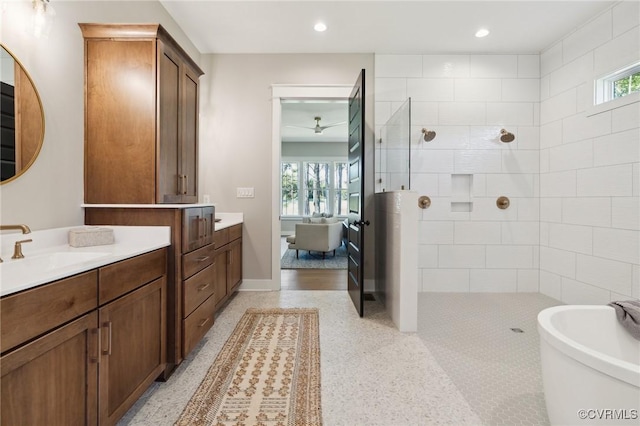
column 49, row 194
column 235, row 133
column 590, row 167
column 467, row 99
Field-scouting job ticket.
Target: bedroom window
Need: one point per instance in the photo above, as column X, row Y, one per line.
column 309, row 187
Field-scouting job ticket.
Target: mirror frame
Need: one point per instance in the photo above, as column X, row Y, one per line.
column 41, row 141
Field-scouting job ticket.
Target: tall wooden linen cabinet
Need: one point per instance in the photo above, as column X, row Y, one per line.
column 141, row 116
column 141, row 139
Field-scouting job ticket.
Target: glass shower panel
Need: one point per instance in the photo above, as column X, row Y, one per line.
column 393, row 149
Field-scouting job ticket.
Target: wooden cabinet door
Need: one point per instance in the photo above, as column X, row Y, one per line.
column 234, row 274
column 208, row 214
column 171, row 182
column 120, row 124
column 132, row 330
column 192, row 229
column 221, row 274
column 54, row 379
column 189, row 133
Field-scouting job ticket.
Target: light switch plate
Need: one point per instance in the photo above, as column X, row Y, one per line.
column 244, row 193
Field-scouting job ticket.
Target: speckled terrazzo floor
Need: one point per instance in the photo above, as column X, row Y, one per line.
column 495, row 369
column 371, row 373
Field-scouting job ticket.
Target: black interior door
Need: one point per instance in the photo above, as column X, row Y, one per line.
column 355, row 247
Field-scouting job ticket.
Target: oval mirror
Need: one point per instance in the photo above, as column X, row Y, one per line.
column 22, row 118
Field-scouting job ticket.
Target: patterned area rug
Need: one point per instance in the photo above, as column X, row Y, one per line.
column 267, row 373
column 314, row 260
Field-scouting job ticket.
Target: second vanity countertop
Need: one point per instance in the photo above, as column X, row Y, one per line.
column 228, row 219
column 49, row 257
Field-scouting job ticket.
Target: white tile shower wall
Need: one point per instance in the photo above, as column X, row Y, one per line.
column 590, row 208
column 467, row 99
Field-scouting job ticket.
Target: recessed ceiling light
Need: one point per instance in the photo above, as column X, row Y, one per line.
column 320, row 27
column 482, row 32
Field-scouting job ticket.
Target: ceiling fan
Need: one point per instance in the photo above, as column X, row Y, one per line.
column 318, row 128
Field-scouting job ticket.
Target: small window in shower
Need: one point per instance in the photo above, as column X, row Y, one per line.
column 615, row 89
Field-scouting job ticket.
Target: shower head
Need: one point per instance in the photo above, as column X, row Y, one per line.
column 429, row 135
column 506, row 136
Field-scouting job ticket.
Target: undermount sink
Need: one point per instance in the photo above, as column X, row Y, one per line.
column 49, row 261
column 55, row 260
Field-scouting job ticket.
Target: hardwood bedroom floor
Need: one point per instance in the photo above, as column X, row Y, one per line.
column 313, row 279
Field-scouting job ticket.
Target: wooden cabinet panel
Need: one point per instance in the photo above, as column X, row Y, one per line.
column 196, row 325
column 235, row 232
column 228, row 255
column 198, row 288
column 192, row 229
column 234, row 274
column 30, row 313
column 221, row 276
column 146, row 151
column 53, row 380
column 169, row 179
column 122, row 277
column 221, row 237
column 189, row 152
column 197, row 260
column 133, row 351
column 197, row 227
column 209, row 216
column 120, row 129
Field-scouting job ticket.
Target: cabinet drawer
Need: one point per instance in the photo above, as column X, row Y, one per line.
column 196, row 325
column 122, row 277
column 221, row 237
column 198, row 288
column 30, row 313
column 235, row 232
column 197, row 260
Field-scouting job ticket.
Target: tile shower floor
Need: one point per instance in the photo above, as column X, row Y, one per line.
column 496, row 369
column 462, row 368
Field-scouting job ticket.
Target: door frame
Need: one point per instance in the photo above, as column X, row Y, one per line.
column 280, row 92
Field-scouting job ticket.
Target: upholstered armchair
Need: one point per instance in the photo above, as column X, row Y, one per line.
column 323, row 237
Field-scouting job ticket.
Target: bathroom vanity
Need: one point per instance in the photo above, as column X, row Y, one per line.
column 82, row 329
column 204, row 264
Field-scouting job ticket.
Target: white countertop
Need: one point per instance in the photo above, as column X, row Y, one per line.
column 228, row 219
column 49, row 257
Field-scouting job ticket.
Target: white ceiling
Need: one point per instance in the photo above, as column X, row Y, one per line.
column 360, row 26
column 394, row 26
column 303, row 113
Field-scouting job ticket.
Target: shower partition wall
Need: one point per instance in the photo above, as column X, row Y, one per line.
column 393, row 151
column 396, row 215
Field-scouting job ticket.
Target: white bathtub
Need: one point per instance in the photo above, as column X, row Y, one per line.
column 589, row 363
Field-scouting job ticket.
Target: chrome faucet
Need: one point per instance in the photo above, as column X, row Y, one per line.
column 24, row 228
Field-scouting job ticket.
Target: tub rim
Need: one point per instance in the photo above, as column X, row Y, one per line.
column 607, row 364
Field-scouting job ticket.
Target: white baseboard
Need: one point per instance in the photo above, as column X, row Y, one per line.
column 259, row 285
